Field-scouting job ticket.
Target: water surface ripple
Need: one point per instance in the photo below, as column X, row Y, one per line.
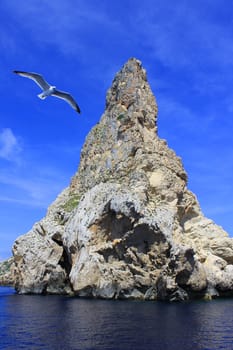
column 58, row 322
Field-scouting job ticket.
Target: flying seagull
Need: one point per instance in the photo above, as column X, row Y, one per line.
column 49, row 90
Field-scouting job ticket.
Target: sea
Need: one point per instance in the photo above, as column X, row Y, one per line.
column 60, row 322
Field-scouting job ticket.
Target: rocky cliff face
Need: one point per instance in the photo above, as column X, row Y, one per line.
column 127, row 227
column 7, row 272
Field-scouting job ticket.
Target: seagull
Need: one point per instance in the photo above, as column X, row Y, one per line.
column 49, row 90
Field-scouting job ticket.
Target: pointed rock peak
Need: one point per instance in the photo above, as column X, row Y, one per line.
column 127, row 227
column 124, row 145
column 130, row 93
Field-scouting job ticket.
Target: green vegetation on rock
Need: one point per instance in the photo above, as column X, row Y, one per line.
column 72, row 203
column 5, row 266
column 120, row 117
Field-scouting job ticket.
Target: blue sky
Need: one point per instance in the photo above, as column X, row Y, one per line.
column 79, row 45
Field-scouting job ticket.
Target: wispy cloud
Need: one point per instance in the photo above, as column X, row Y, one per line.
column 183, row 35
column 35, row 181
column 64, row 25
column 9, row 145
column 31, row 185
column 186, row 34
column 187, row 49
column 181, row 119
column 23, row 202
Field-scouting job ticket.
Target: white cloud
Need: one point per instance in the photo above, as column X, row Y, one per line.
column 184, row 36
column 176, row 115
column 67, row 26
column 25, row 202
column 37, row 189
column 9, row 145
column 30, row 183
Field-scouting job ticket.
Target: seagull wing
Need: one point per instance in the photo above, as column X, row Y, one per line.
column 38, row 79
column 68, row 98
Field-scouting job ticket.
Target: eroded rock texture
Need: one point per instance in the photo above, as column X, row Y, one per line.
column 7, row 272
column 127, row 227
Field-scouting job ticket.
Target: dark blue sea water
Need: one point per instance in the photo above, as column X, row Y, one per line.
column 58, row 322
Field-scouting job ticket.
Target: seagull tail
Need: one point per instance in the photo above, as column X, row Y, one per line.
column 42, row 96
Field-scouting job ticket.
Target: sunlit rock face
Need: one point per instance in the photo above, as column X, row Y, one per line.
column 127, row 226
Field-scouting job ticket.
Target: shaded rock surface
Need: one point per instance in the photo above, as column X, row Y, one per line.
column 127, row 226
column 7, row 272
